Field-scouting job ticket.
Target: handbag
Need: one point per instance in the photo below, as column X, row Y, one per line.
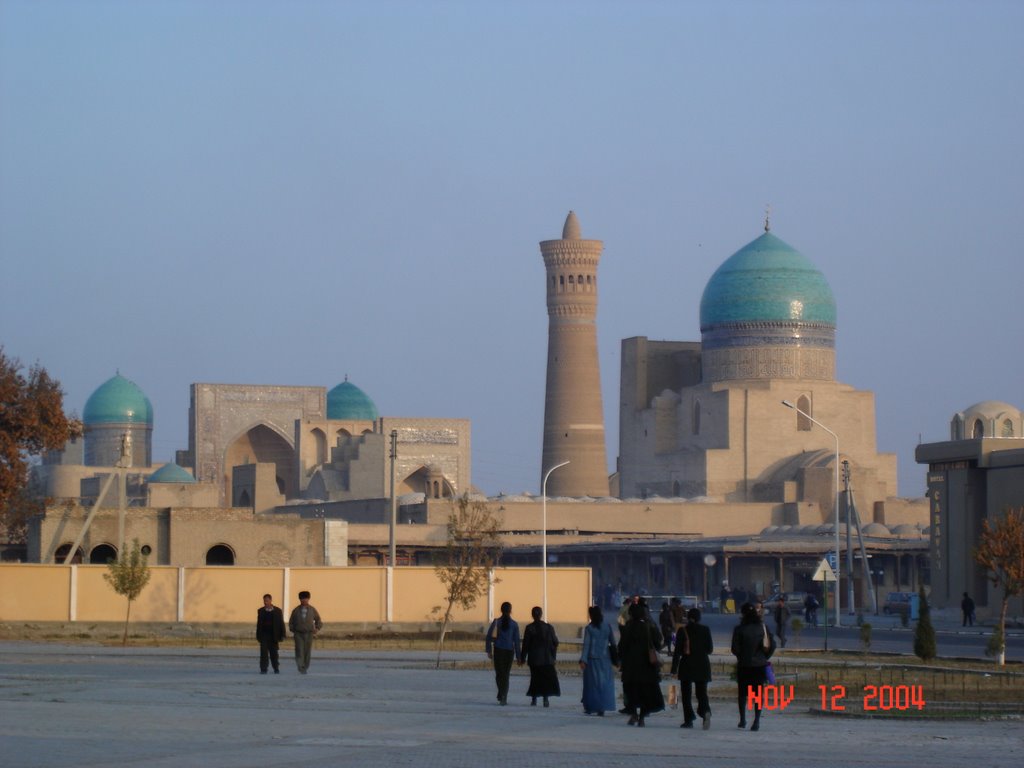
column 613, row 652
column 652, row 652
column 767, row 644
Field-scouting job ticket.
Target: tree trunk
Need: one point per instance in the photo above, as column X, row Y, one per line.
column 127, row 615
column 1002, row 629
column 444, row 630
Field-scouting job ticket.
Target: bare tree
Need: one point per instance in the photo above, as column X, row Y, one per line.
column 128, row 576
column 472, row 549
column 1001, row 552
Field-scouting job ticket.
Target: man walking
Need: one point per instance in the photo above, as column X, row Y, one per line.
column 781, row 620
column 967, row 607
column 269, row 632
column 304, row 624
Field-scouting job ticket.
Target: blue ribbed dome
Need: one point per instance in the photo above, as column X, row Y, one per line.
column 767, row 280
column 348, row 402
column 118, row 401
column 171, row 473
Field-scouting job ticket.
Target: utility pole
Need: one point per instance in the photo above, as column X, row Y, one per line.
column 850, row 608
column 393, row 455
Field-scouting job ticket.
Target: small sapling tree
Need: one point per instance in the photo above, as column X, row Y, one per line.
column 128, row 575
column 464, row 566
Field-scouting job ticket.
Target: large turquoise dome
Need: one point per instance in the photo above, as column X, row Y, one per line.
column 118, row 401
column 767, row 281
column 767, row 313
column 349, row 403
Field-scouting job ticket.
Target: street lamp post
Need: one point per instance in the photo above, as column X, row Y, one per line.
column 835, row 496
column 544, row 534
column 393, row 455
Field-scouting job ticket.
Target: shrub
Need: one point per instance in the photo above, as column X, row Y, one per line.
column 924, row 633
column 865, row 636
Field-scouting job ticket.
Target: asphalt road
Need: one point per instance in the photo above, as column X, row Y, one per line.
column 887, row 636
column 93, row 706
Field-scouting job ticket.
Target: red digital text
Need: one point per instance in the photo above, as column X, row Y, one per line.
column 874, row 698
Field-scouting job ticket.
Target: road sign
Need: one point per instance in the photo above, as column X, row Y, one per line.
column 832, row 560
column 824, row 572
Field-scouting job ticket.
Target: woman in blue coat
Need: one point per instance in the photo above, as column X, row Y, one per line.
column 596, row 664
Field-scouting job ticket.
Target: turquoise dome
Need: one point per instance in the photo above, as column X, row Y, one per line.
column 171, row 473
column 767, row 281
column 118, row 401
column 348, row 402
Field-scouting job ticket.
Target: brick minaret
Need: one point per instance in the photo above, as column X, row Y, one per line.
column 573, row 418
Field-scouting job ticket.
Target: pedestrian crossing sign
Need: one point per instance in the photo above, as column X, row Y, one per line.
column 824, row 572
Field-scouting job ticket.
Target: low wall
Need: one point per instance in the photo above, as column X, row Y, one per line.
column 370, row 595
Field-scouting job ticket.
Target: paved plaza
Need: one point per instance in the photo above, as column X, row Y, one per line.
column 90, row 706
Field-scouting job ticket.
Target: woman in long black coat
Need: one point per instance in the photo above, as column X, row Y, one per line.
column 641, row 680
column 540, row 645
column 692, row 662
column 752, row 645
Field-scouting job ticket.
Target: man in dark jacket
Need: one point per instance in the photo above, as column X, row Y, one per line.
column 752, row 645
column 967, row 608
column 781, row 615
column 269, row 633
column 692, row 663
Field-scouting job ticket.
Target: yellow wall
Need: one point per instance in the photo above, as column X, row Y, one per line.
column 228, row 594
column 341, row 594
column 98, row 602
column 30, row 592
column 35, row 592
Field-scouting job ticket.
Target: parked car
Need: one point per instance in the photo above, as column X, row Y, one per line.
column 794, row 601
column 897, row 603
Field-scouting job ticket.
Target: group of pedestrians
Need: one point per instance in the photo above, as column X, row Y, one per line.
column 538, row 649
column 635, row 654
column 304, row 623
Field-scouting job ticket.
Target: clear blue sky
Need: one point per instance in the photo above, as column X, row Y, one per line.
column 286, row 193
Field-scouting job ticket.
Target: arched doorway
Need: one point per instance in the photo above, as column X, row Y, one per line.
column 102, row 554
column 62, row 553
column 263, row 445
column 220, row 554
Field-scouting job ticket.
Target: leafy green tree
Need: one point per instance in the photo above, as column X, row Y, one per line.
column 924, row 632
column 472, row 549
column 128, row 576
column 32, row 420
column 1001, row 552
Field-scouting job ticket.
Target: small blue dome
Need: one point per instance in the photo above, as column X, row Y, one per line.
column 349, row 403
column 118, row 401
column 171, row 473
column 767, row 280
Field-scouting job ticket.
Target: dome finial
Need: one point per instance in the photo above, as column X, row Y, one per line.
column 768, row 217
column 571, row 230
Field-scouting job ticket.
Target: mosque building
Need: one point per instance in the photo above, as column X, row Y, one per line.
column 709, row 420
column 727, row 471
